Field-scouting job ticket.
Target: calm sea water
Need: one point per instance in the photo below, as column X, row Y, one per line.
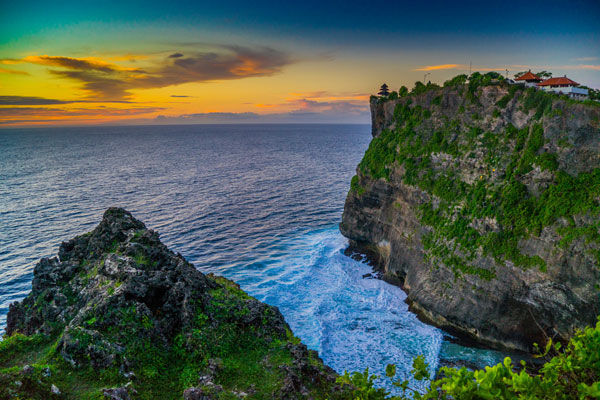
column 259, row 204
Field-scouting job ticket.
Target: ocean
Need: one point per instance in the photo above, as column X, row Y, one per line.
column 259, row 204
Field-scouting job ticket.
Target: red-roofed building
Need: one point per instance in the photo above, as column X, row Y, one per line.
column 564, row 85
column 529, row 79
column 562, row 81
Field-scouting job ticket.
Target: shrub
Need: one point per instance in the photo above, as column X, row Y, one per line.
column 456, row 81
column 573, row 373
column 539, row 100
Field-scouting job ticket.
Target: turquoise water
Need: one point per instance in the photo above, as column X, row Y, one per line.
column 256, row 203
column 338, row 307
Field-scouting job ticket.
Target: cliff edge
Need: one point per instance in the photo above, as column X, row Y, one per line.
column 482, row 200
column 118, row 315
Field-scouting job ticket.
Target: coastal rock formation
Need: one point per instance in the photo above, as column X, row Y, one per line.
column 117, row 314
column 482, row 200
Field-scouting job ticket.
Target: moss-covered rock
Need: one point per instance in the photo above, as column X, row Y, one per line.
column 118, row 315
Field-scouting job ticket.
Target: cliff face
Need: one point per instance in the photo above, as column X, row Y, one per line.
column 484, row 202
column 118, row 315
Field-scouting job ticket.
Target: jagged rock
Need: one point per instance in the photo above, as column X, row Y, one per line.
column 208, row 391
column 117, row 300
column 28, row 370
column 120, row 393
column 54, row 389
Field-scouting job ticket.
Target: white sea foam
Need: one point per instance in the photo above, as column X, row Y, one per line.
column 353, row 321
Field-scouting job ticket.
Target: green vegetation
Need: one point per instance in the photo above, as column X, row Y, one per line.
column 461, row 209
column 512, row 90
column 539, row 101
column 593, row 94
column 458, row 80
column 355, row 186
column 535, row 99
column 150, row 325
column 421, row 88
column 572, row 373
column 40, row 353
column 246, row 356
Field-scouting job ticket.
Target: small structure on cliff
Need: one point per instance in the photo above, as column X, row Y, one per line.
column 384, row 90
column 529, row 79
column 564, row 85
column 560, row 85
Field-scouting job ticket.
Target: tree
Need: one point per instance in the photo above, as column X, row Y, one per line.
column 419, row 88
column 520, row 74
column 403, row 91
column 544, row 74
column 457, row 80
column 593, row 94
column 384, row 90
column 541, row 74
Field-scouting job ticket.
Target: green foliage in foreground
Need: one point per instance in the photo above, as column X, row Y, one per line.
column 250, row 358
column 573, row 373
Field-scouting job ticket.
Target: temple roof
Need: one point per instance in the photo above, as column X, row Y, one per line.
column 563, row 80
column 528, row 76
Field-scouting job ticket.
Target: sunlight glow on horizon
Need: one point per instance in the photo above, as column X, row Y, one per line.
column 71, row 70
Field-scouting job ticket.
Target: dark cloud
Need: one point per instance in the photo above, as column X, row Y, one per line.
column 338, row 107
column 207, row 118
column 99, row 85
column 177, row 95
column 253, row 118
column 10, row 112
column 28, row 101
column 12, row 71
column 13, row 111
column 23, row 121
column 235, row 62
column 71, row 63
column 109, row 82
column 41, row 101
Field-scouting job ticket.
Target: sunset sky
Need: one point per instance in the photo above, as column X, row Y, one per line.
column 147, row 62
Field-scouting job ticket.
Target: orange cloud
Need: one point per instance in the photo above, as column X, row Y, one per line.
column 36, row 115
column 441, row 66
column 324, row 95
column 12, row 71
column 592, row 67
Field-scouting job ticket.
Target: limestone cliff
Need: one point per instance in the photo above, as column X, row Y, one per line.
column 483, row 200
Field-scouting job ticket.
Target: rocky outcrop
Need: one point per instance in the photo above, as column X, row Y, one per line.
column 148, row 324
column 482, row 203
